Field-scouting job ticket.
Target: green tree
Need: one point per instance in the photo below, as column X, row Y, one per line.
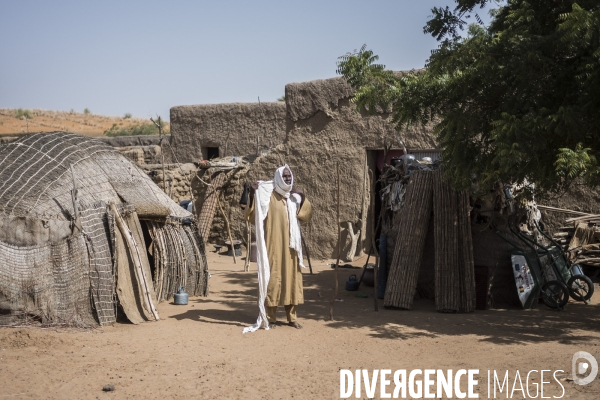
column 516, row 101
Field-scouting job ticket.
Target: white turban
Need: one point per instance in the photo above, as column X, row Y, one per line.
column 280, row 186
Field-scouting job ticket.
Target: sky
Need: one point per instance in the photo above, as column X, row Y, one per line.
column 144, row 57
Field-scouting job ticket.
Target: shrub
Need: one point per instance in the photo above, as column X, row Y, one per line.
column 21, row 114
column 134, row 130
column 127, row 116
column 86, row 111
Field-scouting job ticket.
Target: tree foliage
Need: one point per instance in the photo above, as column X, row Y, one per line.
column 516, row 101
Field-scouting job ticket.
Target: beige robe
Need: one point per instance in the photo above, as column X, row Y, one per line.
column 285, row 283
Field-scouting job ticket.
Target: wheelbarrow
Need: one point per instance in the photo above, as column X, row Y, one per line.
column 546, row 271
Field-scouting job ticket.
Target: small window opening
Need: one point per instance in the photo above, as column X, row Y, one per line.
column 212, row 152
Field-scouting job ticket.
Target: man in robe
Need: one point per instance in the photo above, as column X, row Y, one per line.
column 276, row 210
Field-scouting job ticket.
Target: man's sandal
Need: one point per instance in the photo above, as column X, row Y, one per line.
column 295, row 325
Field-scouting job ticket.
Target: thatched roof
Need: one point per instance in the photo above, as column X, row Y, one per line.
column 57, row 264
column 36, row 178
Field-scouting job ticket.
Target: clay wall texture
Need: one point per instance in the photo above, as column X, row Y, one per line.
column 325, row 130
column 178, row 178
column 232, row 127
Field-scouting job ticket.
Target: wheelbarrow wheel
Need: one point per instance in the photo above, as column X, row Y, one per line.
column 555, row 294
column 580, row 287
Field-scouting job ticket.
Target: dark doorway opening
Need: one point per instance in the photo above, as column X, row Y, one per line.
column 148, row 242
column 212, row 152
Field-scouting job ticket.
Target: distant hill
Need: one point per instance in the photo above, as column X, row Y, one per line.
column 14, row 121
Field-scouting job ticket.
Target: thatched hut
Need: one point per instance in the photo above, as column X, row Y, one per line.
column 85, row 232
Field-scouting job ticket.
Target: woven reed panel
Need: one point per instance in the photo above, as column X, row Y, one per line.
column 454, row 267
column 51, row 281
column 95, row 225
column 205, row 218
column 197, row 264
column 410, row 242
column 179, row 260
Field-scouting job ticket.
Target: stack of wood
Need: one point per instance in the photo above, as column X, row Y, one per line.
column 584, row 241
column 410, row 242
column 563, row 236
column 454, row 267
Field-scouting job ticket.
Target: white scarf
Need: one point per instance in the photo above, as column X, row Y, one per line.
column 262, row 198
column 280, row 186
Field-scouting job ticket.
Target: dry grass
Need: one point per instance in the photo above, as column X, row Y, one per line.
column 90, row 124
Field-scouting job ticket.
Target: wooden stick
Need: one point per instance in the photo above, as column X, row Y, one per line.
column 248, row 244
column 158, row 124
column 364, row 209
column 307, row 254
column 337, row 263
column 592, row 216
column 136, row 258
column 373, row 243
column 562, row 210
column 76, row 222
column 228, row 229
column 587, row 260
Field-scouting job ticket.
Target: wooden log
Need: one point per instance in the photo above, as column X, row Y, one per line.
column 353, row 242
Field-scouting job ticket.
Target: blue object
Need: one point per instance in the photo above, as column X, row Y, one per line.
column 181, row 297
column 352, row 284
column 382, row 273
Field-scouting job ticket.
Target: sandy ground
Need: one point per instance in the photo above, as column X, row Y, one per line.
column 92, row 125
column 198, row 350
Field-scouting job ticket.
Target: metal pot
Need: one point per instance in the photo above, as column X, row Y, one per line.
column 368, row 277
column 181, row 297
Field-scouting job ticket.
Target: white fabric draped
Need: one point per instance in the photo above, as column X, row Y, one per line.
column 262, row 198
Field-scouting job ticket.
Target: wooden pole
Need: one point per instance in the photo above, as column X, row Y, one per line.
column 337, row 263
column 158, row 124
column 74, row 199
column 373, row 242
column 307, row 254
column 364, row 208
column 248, row 245
column 227, row 225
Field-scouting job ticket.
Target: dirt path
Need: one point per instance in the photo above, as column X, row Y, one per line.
column 198, row 350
